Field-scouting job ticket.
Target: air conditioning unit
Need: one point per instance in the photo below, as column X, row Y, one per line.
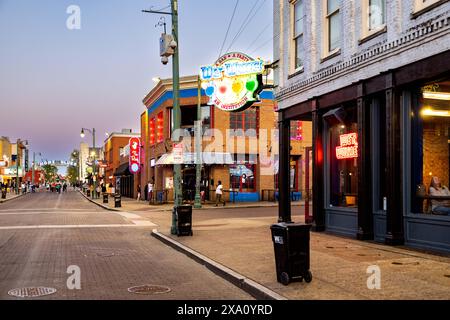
column 165, row 50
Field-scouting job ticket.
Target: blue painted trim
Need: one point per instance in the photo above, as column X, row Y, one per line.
column 246, row 197
column 189, row 93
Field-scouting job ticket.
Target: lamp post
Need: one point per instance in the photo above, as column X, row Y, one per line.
column 82, row 134
column 198, row 147
column 178, row 192
column 17, row 163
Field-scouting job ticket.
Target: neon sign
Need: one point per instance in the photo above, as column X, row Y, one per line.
column 233, row 82
column 135, row 155
column 349, row 146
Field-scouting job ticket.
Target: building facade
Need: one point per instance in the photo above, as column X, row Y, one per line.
column 238, row 148
column 373, row 79
column 116, row 156
column 14, row 160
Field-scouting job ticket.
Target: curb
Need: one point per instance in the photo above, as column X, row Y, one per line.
column 253, row 288
column 98, row 204
column 10, row 199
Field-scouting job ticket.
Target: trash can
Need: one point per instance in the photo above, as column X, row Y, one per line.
column 3, row 193
column 105, row 198
column 184, row 220
column 117, row 201
column 88, row 193
column 291, row 245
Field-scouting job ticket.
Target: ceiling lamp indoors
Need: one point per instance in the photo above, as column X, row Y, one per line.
column 435, row 113
column 436, row 95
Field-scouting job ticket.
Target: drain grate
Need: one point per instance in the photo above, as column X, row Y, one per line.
column 149, row 289
column 31, row 292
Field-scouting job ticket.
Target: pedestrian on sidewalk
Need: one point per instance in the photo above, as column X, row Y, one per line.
column 219, row 194
column 150, row 191
column 138, row 192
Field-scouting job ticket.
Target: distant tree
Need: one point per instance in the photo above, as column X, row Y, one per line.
column 73, row 168
column 50, row 172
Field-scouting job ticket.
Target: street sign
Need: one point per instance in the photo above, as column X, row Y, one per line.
column 178, row 153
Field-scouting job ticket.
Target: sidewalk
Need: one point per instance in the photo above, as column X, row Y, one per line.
column 11, row 196
column 241, row 241
column 129, row 204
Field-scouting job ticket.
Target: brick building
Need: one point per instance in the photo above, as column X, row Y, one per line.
column 232, row 149
column 373, row 77
column 116, row 156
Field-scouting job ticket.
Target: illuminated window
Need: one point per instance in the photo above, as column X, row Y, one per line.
column 343, row 162
column 431, row 149
column 242, row 174
column 160, row 128
column 152, row 131
column 333, row 26
column 298, row 20
column 296, row 130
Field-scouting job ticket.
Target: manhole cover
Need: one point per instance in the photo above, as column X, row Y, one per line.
column 149, row 289
column 31, row 292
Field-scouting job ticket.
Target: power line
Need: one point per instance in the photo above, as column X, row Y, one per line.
column 246, row 22
column 228, row 29
column 259, row 35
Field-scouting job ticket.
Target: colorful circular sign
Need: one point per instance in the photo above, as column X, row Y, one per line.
column 233, row 82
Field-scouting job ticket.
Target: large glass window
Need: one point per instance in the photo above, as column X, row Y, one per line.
column 334, row 25
column 244, row 123
column 243, row 173
column 206, row 118
column 431, row 149
column 343, row 162
column 298, row 34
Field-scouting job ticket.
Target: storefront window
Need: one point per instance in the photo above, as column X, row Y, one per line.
column 343, row 154
column 242, row 173
column 431, row 149
column 244, row 123
column 206, row 118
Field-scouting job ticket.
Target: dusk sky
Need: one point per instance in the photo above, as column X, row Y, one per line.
column 53, row 80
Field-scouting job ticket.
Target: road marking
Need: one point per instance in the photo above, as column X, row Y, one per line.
column 44, row 209
column 46, row 212
column 87, row 226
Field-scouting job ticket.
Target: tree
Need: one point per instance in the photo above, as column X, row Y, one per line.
column 50, row 172
column 73, row 168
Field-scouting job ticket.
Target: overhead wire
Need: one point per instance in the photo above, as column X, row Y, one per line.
column 228, row 29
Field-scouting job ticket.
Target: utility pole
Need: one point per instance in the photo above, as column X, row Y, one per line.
column 17, row 166
column 198, row 147
column 176, row 112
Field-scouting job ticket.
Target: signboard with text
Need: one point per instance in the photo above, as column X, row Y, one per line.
column 135, row 155
column 348, row 148
column 233, row 82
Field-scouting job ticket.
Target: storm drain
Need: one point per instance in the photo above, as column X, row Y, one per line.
column 31, row 292
column 149, row 289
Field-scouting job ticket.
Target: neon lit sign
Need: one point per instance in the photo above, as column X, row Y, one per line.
column 232, row 83
column 349, row 146
column 135, row 155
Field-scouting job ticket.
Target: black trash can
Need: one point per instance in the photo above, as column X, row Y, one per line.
column 105, row 198
column 184, row 220
column 88, row 193
column 117, row 201
column 3, row 193
column 291, row 245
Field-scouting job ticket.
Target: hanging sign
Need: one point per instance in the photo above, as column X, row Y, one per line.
column 349, row 146
column 178, row 153
column 233, row 82
column 135, row 154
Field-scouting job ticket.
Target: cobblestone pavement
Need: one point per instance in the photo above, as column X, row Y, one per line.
column 113, row 251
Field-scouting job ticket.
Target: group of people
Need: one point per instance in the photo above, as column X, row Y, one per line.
column 57, row 187
column 149, row 189
column 23, row 187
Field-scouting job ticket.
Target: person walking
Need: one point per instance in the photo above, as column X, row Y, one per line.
column 219, row 193
column 138, row 192
column 150, row 191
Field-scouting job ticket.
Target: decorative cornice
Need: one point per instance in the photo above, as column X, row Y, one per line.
column 371, row 55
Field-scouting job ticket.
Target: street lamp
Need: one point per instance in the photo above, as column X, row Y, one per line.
column 82, row 135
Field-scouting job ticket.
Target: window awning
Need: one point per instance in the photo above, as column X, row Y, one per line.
column 190, row 158
column 122, row 170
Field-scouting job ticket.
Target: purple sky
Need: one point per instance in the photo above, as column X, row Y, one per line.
column 53, row 80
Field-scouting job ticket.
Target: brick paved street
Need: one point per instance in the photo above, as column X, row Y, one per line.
column 339, row 265
column 113, row 250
